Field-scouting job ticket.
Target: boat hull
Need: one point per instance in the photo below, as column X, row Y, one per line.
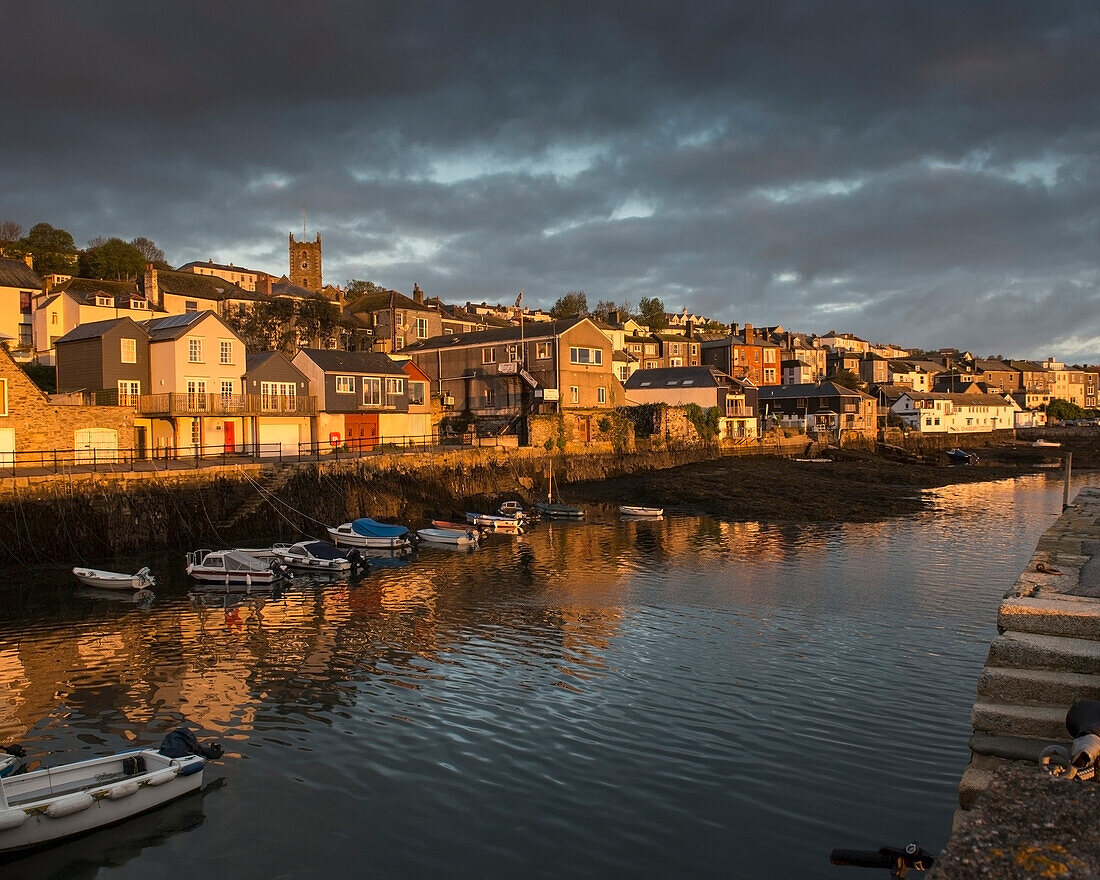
column 348, row 538
column 112, row 580
column 560, row 511
column 650, row 512
column 50, row 819
column 494, row 522
column 454, row 537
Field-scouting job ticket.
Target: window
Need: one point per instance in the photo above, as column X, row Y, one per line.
column 227, row 388
column 624, row 371
column 421, row 328
column 542, row 351
column 53, row 317
column 574, row 394
column 276, row 396
column 585, row 355
column 601, row 395
column 417, row 393
column 194, row 349
column 128, row 392
column 196, row 433
column 225, row 347
column 190, row 305
column 129, row 351
column 372, row 391
column 490, row 397
column 138, row 304
column 513, row 353
column 345, row 384
column 399, row 318
column 675, row 362
column 651, row 365
column 695, row 349
column 394, row 388
column 675, row 348
column 488, row 355
column 103, row 301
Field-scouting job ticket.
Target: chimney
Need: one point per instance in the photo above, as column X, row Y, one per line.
column 689, row 329
column 733, row 328
column 266, row 286
column 613, row 317
column 749, row 337
column 152, row 286
column 418, row 294
column 29, row 260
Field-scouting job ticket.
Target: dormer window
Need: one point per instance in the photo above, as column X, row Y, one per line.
column 138, row 304
column 103, row 301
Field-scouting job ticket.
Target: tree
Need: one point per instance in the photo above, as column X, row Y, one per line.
column 573, row 304
column 150, row 252
column 114, row 260
column 356, row 288
column 10, row 233
column 847, row 378
column 53, row 249
column 603, row 310
column 651, row 312
column 1064, row 410
column 283, row 324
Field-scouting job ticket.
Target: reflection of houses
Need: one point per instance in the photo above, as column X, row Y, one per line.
column 943, row 413
column 552, row 364
column 363, row 397
column 826, row 407
column 19, row 285
column 705, row 386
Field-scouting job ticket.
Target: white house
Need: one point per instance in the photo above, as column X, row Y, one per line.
column 942, row 413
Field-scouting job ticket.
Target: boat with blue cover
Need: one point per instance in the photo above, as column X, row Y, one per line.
column 366, row 532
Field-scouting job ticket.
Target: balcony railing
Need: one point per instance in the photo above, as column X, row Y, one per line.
column 176, row 403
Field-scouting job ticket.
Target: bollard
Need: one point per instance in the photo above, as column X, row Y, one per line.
column 1065, row 484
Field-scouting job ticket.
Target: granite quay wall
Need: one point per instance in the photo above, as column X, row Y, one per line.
column 97, row 516
column 1046, row 656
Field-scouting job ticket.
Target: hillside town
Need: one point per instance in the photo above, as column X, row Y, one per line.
column 215, row 359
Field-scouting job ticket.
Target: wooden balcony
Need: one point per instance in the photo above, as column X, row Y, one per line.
column 225, row 405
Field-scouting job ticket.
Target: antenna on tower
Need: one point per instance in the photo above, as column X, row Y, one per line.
column 303, row 222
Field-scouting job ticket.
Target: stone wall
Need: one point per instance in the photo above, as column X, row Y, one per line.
column 41, row 425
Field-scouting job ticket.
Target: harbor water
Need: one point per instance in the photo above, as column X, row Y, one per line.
column 676, row 698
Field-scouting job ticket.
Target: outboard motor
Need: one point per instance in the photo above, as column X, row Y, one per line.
column 358, row 563
column 181, row 742
column 1083, row 724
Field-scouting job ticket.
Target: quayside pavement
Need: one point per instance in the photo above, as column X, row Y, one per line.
column 1016, row 821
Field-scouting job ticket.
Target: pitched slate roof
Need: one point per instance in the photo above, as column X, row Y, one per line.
column 387, row 299
column 16, row 273
column 285, row 288
column 210, row 264
column 809, row 389
column 208, row 287
column 95, row 329
column 674, row 377
column 84, row 289
column 539, row 330
column 374, row 363
column 173, row 326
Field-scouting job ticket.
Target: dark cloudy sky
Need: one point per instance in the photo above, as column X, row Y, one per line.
column 926, row 173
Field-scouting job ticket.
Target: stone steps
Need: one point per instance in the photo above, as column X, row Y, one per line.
column 1036, row 686
column 1055, row 615
column 1034, row 721
column 1026, row 650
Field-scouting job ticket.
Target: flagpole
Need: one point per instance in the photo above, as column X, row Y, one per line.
column 522, row 349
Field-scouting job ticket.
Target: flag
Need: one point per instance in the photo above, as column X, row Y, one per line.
column 519, row 299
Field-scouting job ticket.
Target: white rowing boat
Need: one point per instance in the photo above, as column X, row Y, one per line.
column 456, row 537
column 648, row 512
column 114, row 580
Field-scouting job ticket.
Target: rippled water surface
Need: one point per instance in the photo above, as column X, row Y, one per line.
column 685, row 698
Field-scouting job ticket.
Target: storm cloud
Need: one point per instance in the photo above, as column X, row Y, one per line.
column 922, row 173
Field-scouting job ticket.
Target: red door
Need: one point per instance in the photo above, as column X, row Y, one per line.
column 227, row 437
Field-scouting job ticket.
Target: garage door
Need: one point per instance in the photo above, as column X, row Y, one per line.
column 95, row 445
column 278, row 440
column 7, row 447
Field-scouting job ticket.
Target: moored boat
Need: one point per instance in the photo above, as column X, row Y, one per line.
column 447, row 524
column 961, row 455
column 114, row 580
column 647, row 512
column 232, row 567
column 319, row 556
column 467, row 538
column 366, row 532
column 495, row 522
column 1042, row 442
column 48, row 805
column 559, row 511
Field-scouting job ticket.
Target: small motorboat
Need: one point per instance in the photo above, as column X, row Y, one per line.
column 48, row 805
column 455, row 526
column 647, row 512
column 232, row 567
column 11, row 759
column 961, row 455
column 366, row 532
column 495, row 522
column 466, row 538
column 559, row 511
column 1042, row 442
column 515, row 510
column 319, row 556
column 114, row 580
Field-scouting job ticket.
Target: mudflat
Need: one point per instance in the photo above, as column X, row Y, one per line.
column 773, row 489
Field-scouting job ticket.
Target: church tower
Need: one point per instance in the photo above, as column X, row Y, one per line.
column 305, row 263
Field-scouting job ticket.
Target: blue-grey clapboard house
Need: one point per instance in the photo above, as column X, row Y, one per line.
column 362, row 396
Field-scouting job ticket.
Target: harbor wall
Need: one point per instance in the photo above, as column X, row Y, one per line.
column 99, row 516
